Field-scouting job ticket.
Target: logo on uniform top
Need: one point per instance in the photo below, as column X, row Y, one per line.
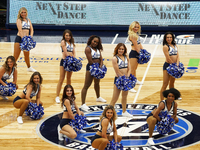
column 134, row 131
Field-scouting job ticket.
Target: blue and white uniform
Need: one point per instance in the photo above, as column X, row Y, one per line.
column 69, row 47
column 109, row 128
column 6, row 76
column 122, row 64
column 165, row 109
column 95, row 54
column 25, row 25
column 172, row 51
column 33, row 93
column 138, row 41
column 72, row 107
column 134, row 53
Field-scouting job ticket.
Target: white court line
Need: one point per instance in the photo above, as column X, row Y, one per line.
column 113, row 41
column 138, row 92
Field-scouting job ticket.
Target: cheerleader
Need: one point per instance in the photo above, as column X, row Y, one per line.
column 106, row 126
column 68, row 49
column 170, row 51
column 8, row 71
column 25, row 28
column 121, row 66
column 33, row 88
column 70, row 109
column 133, row 33
column 93, row 54
column 168, row 105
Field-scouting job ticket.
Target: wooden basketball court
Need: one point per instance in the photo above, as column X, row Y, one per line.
column 46, row 59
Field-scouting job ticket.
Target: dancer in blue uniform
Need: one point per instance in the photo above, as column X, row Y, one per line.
column 121, row 66
column 8, row 71
column 170, row 51
column 25, row 28
column 70, row 109
column 106, row 126
column 33, row 88
column 133, row 33
column 68, row 49
column 93, row 54
column 168, row 105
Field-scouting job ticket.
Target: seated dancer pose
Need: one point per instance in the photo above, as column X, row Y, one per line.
column 168, row 105
column 33, row 88
column 93, row 54
column 170, row 51
column 106, row 126
column 70, row 109
column 121, row 66
column 68, row 49
column 8, row 71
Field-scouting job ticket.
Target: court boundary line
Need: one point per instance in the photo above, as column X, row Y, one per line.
column 146, row 71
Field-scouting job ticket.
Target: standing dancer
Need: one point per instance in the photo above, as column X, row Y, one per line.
column 170, row 51
column 133, row 33
column 166, row 105
column 33, row 88
column 93, row 54
column 25, row 28
column 7, row 71
column 106, row 126
column 121, row 66
column 70, row 109
column 68, row 49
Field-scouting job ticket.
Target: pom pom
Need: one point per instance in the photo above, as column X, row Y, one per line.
column 97, row 72
column 71, row 63
column 8, row 90
column 166, row 124
column 144, row 56
column 34, row 112
column 126, row 83
column 176, row 71
column 78, row 123
column 114, row 145
column 27, row 43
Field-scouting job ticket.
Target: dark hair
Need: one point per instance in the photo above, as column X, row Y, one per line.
column 99, row 46
column 5, row 65
column 174, row 91
column 70, row 33
column 64, row 96
column 173, row 38
column 118, row 46
column 31, row 80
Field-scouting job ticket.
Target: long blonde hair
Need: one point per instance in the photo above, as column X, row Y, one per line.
column 131, row 32
column 20, row 11
column 105, row 110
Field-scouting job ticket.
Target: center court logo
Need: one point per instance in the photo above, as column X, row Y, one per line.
column 134, row 131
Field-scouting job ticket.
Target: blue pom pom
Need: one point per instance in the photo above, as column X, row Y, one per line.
column 114, row 145
column 27, row 43
column 144, row 56
column 78, row 123
column 34, row 112
column 176, row 71
column 166, row 124
column 8, row 90
column 126, row 83
column 98, row 72
column 71, row 63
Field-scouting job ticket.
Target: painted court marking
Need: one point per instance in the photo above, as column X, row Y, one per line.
column 138, row 92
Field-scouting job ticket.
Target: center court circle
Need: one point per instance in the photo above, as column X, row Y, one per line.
column 134, row 131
